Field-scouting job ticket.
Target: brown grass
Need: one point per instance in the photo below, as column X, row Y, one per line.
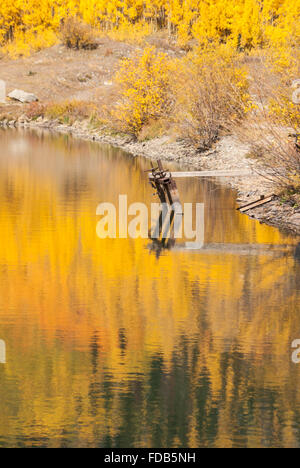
column 65, row 112
column 274, row 147
column 35, row 110
column 211, row 97
column 270, row 127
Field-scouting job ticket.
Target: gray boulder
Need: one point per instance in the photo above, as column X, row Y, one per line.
column 22, row 96
column 295, row 219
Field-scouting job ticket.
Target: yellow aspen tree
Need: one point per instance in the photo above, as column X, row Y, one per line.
column 242, row 23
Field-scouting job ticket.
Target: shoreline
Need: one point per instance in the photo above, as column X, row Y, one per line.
column 227, row 154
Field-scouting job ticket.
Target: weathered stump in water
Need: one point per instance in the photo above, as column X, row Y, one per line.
column 171, row 207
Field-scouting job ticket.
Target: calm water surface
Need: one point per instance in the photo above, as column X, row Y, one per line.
column 110, row 344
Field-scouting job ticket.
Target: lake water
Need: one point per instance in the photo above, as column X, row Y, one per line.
column 111, row 344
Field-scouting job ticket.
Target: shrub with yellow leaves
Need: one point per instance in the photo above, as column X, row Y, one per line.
column 285, row 112
column 25, row 43
column 144, row 91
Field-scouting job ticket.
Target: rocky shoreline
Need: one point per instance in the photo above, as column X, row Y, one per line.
column 228, row 154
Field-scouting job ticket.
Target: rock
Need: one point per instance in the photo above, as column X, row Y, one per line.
column 23, row 118
column 2, row 92
column 22, row 96
column 295, row 219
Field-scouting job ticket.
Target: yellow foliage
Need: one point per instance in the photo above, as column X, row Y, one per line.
column 285, row 111
column 204, row 93
column 25, row 43
column 132, row 35
column 144, row 84
column 244, row 23
column 68, row 111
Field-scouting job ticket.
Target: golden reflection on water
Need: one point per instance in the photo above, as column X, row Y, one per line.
column 108, row 345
